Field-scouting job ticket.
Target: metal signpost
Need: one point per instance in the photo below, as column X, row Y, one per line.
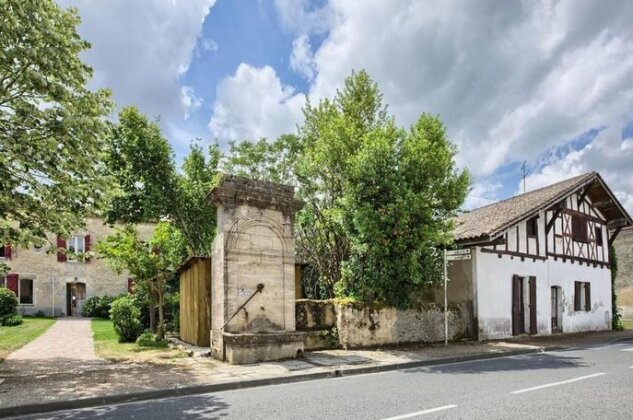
column 452, row 255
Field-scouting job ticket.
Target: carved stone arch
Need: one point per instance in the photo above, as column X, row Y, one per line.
column 248, row 226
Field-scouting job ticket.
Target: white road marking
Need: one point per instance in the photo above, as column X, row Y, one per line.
column 534, row 388
column 419, row 413
column 629, row 349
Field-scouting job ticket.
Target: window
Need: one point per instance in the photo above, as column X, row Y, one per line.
column 532, row 227
column 2, row 252
column 598, row 231
column 76, row 245
column 26, row 292
column 582, row 296
column 579, row 228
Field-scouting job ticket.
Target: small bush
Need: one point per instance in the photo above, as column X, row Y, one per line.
column 98, row 307
column 148, row 339
column 126, row 316
column 8, row 302
column 12, row 320
column 39, row 314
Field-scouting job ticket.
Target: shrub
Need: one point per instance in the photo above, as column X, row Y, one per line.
column 8, row 303
column 126, row 316
column 148, row 339
column 12, row 320
column 98, row 307
column 39, row 314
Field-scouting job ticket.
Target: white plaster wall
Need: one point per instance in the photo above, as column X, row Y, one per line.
column 494, row 294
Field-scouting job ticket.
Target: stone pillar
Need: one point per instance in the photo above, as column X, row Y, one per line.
column 254, row 245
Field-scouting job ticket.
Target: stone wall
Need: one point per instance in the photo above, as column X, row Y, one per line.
column 359, row 325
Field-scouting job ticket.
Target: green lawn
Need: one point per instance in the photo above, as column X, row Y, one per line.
column 107, row 346
column 12, row 338
column 628, row 324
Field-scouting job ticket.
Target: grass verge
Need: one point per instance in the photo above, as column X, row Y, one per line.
column 12, row 338
column 107, row 346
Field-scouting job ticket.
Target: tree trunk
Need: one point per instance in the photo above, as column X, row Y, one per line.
column 152, row 311
column 160, row 333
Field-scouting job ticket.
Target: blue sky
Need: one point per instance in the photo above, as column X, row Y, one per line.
column 550, row 83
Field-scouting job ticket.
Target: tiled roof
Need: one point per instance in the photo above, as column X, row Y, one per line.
column 489, row 220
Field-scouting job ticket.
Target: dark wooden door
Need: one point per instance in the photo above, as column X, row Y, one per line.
column 533, row 325
column 518, row 316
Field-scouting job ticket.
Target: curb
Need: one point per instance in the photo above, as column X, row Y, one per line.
column 204, row 389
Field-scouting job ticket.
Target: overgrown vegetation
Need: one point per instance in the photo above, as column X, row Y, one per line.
column 98, row 307
column 616, row 317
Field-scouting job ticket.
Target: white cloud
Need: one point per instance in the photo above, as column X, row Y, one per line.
column 509, row 80
column 296, row 17
column 254, row 103
column 482, row 193
column 607, row 154
column 141, row 48
column 190, row 102
column 301, row 59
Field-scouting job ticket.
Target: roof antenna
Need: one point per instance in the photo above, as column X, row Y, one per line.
column 525, row 173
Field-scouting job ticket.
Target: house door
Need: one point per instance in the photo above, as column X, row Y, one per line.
column 518, row 313
column 75, row 298
column 557, row 310
column 533, row 325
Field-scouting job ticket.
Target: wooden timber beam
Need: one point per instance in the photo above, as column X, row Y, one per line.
column 612, row 224
column 602, row 203
column 615, row 235
column 550, row 224
column 583, row 194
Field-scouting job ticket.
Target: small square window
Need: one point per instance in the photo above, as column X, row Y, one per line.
column 532, row 227
column 598, row 231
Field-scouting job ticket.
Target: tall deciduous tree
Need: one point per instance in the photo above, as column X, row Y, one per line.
column 403, row 192
column 51, row 125
column 333, row 133
column 147, row 186
column 150, row 262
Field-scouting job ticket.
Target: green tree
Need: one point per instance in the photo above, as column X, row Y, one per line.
column 139, row 160
column 147, row 186
column 51, row 126
column 403, row 192
column 267, row 161
column 332, row 134
column 152, row 262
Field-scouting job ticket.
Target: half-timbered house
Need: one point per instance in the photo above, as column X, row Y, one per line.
column 540, row 260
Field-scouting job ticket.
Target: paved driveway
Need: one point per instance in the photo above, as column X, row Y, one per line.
column 66, row 346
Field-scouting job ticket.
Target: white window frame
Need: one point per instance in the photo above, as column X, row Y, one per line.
column 75, row 241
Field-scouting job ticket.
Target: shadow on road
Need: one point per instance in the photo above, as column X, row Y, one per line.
column 197, row 407
column 515, row 363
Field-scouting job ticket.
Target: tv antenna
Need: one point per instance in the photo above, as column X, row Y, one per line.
column 524, row 172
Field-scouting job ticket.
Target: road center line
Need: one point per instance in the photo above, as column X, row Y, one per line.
column 534, row 388
column 419, row 413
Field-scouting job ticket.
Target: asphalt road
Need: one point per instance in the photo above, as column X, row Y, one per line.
column 592, row 383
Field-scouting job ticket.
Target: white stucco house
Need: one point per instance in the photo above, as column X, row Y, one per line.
column 540, row 260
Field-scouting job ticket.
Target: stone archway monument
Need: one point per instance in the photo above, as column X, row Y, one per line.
column 253, row 265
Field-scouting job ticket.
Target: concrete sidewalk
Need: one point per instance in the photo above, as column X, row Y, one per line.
column 31, row 392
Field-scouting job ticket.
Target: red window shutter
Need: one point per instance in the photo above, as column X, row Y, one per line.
column 87, row 244
column 12, row 283
column 130, row 286
column 61, row 244
column 7, row 252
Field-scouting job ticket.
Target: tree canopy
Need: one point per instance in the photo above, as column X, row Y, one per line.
column 51, row 126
